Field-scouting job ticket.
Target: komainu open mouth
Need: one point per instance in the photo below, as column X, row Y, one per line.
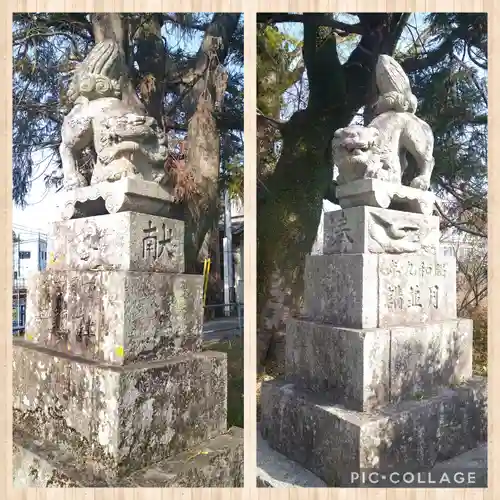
column 356, row 149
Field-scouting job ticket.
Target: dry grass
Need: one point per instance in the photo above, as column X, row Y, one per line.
column 480, row 351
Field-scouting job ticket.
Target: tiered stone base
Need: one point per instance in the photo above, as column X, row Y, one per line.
column 334, row 442
column 217, row 462
column 363, row 369
column 378, row 372
column 118, row 419
column 111, row 387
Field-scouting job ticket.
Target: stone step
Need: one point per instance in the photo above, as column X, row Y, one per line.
column 121, row 417
column 214, row 463
column 274, row 470
column 332, row 441
column 365, row 369
column 475, row 460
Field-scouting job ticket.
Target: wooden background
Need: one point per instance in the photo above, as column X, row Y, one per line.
column 249, row 8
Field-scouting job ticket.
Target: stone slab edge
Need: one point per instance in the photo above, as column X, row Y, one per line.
column 214, row 463
column 274, row 470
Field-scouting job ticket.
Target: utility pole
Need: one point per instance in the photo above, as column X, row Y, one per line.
column 227, row 245
column 17, row 263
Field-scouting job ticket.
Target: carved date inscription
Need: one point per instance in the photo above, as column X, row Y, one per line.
column 395, row 297
column 399, row 298
column 434, row 296
column 414, row 289
column 400, row 269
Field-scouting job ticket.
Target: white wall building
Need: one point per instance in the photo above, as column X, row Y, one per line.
column 29, row 255
column 237, row 213
column 231, row 249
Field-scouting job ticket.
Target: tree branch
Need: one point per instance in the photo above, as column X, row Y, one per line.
column 173, row 18
column 19, row 41
column 318, row 19
column 461, row 226
column 220, row 28
column 411, row 64
column 71, row 20
column 397, row 26
column 273, row 121
column 418, row 63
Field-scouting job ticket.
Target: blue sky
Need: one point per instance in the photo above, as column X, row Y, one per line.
column 416, row 24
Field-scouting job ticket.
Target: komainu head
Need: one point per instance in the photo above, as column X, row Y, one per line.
column 100, row 74
column 354, row 149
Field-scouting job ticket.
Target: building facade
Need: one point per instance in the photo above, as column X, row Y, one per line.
column 29, row 255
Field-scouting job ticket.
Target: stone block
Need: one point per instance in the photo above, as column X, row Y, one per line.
column 274, row 470
column 115, row 316
column 350, row 367
column 126, row 241
column 383, row 194
column 378, row 291
column 430, row 355
column 129, row 194
column 123, row 418
column 377, row 230
column 416, row 289
column 366, row 369
column 332, row 442
column 340, row 289
column 215, row 463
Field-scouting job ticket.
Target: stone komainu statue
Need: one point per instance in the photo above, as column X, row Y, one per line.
column 379, row 150
column 125, row 143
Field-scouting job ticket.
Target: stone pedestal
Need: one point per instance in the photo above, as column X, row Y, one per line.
column 111, row 387
column 378, row 372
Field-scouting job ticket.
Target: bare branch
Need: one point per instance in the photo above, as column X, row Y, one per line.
column 417, row 63
column 273, row 121
column 319, row 19
column 461, row 226
column 174, row 18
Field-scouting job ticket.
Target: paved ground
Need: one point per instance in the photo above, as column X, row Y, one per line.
column 221, row 329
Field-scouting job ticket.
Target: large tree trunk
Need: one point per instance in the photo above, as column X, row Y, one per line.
column 288, row 217
column 207, row 81
column 203, row 163
column 152, row 60
column 273, row 78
